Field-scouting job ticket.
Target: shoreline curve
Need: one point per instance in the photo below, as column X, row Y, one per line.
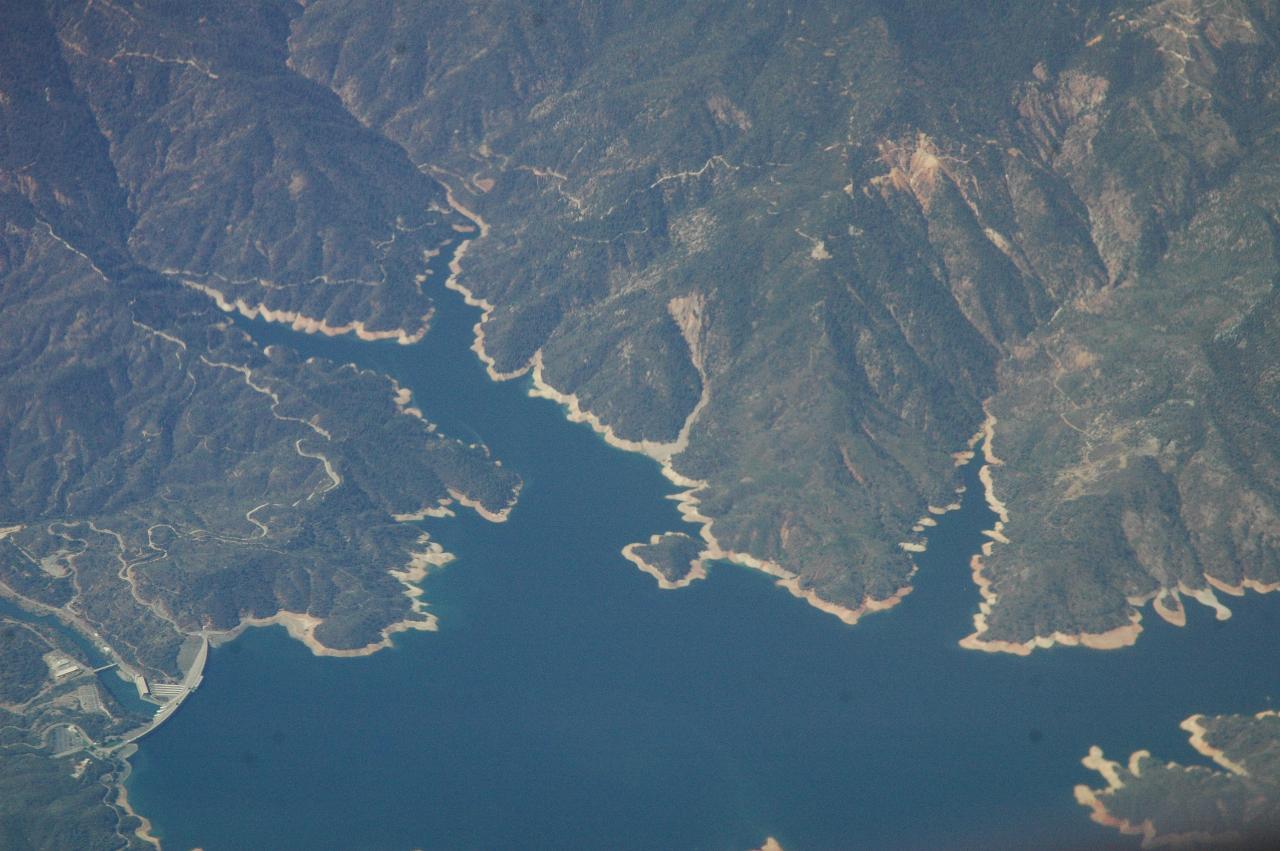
column 662, row 452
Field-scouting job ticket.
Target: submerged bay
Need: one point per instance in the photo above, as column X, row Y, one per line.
column 568, row 702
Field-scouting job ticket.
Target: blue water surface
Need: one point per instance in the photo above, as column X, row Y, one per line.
column 567, row 702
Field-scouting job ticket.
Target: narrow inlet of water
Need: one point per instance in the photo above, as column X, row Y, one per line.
column 124, row 691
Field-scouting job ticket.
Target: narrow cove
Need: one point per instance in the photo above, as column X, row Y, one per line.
column 568, row 702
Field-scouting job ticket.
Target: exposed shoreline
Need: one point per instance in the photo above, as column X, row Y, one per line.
column 403, row 399
column 1092, row 798
column 1239, row 589
column 307, row 324
column 120, row 783
column 1194, row 726
column 932, row 513
column 470, row 298
column 1165, row 602
column 441, row 509
column 499, row 516
column 660, row 451
column 1112, row 639
column 302, row 626
column 687, row 503
column 687, row 314
column 1110, row 771
column 697, row 567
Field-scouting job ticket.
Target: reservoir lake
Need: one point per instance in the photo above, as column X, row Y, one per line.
column 567, row 702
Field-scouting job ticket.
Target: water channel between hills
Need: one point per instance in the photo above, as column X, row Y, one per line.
column 122, row 689
column 568, row 702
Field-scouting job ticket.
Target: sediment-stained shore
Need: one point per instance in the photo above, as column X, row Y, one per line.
column 1112, row 639
column 575, row 413
column 1239, row 589
column 687, row 504
column 499, row 516
column 1195, row 726
column 661, row 451
column 1095, row 799
column 1120, row 636
column 307, row 324
column 441, row 509
column 302, row 626
column 471, row 299
column 1165, row 602
column 120, row 784
column 697, row 568
column 687, row 314
column 403, row 399
column 1091, row 798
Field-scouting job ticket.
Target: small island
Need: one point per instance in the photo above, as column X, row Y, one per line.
column 673, row 558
